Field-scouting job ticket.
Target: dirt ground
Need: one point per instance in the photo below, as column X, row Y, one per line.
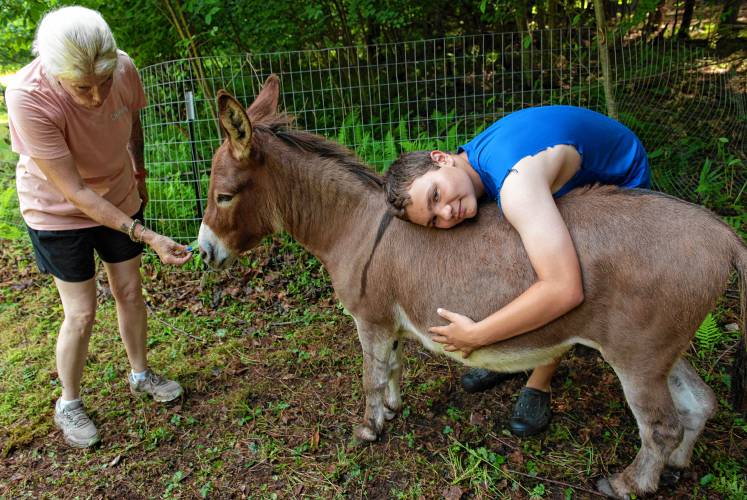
column 271, row 367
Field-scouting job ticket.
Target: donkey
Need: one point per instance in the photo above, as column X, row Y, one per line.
column 646, row 289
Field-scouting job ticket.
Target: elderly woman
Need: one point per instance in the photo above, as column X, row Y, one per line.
column 74, row 120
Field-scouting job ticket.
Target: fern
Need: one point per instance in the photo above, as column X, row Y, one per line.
column 708, row 334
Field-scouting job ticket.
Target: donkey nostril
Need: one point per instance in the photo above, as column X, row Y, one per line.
column 205, row 252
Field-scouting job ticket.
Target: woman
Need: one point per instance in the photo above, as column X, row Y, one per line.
column 74, row 120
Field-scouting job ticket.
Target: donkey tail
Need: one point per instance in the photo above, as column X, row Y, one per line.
column 739, row 370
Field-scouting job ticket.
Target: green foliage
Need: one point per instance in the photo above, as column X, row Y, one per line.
column 157, row 31
column 18, row 20
column 719, row 183
column 708, row 335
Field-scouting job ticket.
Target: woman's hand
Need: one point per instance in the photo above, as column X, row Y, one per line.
column 458, row 335
column 168, row 250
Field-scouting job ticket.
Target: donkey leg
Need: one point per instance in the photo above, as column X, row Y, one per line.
column 377, row 344
column 695, row 404
column 392, row 398
column 660, row 431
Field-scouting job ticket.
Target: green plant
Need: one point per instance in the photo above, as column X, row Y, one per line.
column 708, row 335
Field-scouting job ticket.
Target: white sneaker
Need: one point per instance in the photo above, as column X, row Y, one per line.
column 162, row 389
column 76, row 427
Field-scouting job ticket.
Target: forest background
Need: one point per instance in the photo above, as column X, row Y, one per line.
column 156, row 31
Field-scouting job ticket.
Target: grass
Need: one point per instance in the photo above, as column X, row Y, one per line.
column 272, row 367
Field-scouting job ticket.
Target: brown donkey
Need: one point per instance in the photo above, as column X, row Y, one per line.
column 653, row 267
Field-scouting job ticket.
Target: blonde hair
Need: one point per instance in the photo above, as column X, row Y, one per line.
column 75, row 42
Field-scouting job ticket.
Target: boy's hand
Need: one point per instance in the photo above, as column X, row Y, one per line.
column 458, row 335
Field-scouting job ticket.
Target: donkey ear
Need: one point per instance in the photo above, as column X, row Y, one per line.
column 236, row 124
column 266, row 102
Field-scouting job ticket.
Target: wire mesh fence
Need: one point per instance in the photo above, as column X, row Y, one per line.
column 380, row 100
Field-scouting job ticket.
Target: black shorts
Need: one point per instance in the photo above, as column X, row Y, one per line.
column 68, row 255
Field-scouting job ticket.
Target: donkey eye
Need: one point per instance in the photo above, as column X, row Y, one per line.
column 224, row 198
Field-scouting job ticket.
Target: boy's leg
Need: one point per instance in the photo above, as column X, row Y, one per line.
column 126, row 286
column 532, row 411
column 542, row 376
column 480, row 379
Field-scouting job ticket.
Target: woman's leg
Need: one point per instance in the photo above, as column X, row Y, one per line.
column 79, row 306
column 126, row 287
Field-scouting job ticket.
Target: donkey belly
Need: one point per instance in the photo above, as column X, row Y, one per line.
column 496, row 358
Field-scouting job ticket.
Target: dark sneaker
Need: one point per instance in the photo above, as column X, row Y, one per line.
column 162, row 389
column 480, row 379
column 76, row 427
column 531, row 413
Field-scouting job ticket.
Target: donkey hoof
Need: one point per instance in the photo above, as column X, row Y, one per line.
column 605, row 486
column 365, row 433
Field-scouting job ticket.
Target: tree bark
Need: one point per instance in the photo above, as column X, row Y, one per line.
column 604, row 58
column 729, row 17
column 687, row 17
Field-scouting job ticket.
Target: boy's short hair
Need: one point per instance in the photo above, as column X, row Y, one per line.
column 400, row 176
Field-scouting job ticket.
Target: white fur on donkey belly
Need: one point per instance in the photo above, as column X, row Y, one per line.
column 500, row 360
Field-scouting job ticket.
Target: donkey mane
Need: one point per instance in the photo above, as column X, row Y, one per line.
column 279, row 126
column 317, row 145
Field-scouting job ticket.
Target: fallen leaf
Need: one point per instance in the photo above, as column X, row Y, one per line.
column 453, row 493
column 314, row 440
column 516, row 457
column 477, row 418
column 116, row 460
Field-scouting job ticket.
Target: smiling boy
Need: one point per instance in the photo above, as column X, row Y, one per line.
column 523, row 161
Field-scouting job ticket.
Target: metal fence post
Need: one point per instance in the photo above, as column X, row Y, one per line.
column 190, row 102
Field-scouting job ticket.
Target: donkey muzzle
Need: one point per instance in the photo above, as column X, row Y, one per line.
column 212, row 251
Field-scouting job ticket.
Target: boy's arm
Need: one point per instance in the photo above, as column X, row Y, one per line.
column 528, row 204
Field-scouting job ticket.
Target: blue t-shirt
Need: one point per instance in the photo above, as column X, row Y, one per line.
column 610, row 152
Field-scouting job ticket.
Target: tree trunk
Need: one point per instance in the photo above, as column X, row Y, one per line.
column 522, row 25
column 604, row 58
column 654, row 19
column 552, row 14
column 180, row 24
column 729, row 17
column 687, row 17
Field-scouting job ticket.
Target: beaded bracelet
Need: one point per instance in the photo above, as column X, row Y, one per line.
column 131, row 230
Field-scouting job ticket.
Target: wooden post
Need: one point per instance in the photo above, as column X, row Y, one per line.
column 604, row 58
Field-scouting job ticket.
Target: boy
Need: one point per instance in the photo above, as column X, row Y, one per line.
column 523, row 161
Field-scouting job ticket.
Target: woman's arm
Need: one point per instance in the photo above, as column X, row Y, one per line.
column 136, row 149
column 62, row 173
column 528, row 205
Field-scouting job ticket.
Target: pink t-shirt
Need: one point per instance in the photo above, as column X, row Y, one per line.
column 46, row 123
